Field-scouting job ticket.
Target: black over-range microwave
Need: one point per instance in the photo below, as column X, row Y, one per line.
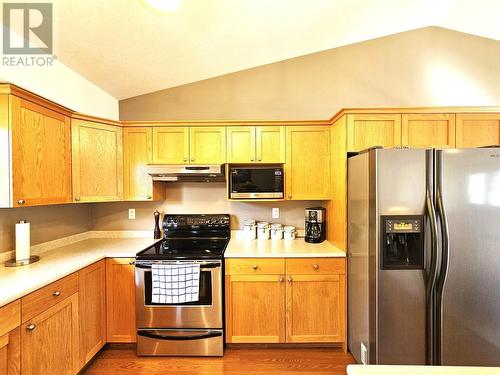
column 256, row 182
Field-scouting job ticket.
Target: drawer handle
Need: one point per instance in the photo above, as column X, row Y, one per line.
column 57, row 293
column 20, row 201
column 316, row 266
column 255, row 267
column 131, row 262
column 30, row 327
column 290, row 279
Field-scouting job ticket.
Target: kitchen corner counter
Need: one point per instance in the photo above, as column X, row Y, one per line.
column 298, row 248
column 63, row 260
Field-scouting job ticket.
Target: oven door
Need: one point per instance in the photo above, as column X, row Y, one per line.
column 204, row 313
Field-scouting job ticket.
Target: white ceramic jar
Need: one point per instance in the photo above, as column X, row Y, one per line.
column 289, row 232
column 276, row 232
column 263, row 230
column 250, row 229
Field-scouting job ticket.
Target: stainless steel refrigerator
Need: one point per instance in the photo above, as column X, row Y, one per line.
column 424, row 256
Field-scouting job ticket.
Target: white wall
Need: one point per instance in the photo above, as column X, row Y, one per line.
column 63, row 86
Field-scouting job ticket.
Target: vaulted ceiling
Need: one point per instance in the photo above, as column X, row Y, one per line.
column 129, row 48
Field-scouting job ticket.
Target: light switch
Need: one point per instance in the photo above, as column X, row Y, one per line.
column 131, row 213
column 276, row 213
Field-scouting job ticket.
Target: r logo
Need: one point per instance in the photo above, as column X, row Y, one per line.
column 27, row 28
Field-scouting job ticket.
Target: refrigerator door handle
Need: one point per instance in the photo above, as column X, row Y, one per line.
column 432, row 275
column 445, row 257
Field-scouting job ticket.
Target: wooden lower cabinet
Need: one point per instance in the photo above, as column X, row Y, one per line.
column 306, row 304
column 10, row 341
column 120, row 300
column 92, row 306
column 50, row 340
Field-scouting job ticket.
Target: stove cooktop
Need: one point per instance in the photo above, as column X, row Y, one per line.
column 184, row 248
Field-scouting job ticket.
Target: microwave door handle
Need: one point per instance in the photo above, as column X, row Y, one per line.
column 188, row 336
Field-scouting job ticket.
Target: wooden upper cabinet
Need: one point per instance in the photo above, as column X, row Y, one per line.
column 240, row 144
column 120, row 300
column 476, row 130
column 207, row 145
column 137, row 153
column 50, row 340
column 270, row 144
column 97, row 162
column 428, row 130
column 365, row 131
column 170, row 145
column 41, row 155
column 308, row 162
column 92, row 306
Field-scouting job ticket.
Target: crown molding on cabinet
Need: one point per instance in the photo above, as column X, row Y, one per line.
column 84, row 117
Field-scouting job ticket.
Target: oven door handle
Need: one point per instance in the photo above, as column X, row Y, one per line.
column 205, row 335
column 202, row 265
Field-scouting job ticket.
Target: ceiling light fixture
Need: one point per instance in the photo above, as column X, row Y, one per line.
column 164, row 5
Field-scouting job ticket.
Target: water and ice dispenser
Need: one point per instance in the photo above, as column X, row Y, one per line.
column 402, row 242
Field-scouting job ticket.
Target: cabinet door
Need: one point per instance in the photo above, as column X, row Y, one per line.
column 97, row 162
column 207, row 145
column 10, row 353
column 120, row 300
column 240, row 144
column 308, row 162
column 428, row 130
column 255, row 311
column 270, row 144
column 315, row 308
column 365, row 131
column 49, row 341
column 137, row 153
column 170, row 145
column 92, row 304
column 41, row 155
column 476, row 130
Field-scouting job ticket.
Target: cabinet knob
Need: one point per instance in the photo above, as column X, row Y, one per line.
column 20, row 201
column 290, row 279
column 252, row 159
column 289, row 196
column 57, row 293
column 30, row 327
column 255, row 267
column 316, row 266
column 185, row 159
column 148, row 197
column 280, row 279
column 77, row 199
column 407, row 146
column 260, row 159
column 192, row 159
column 131, row 262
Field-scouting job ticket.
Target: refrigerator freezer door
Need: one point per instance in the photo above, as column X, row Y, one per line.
column 471, row 293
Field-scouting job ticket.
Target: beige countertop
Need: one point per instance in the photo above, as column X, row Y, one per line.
column 298, row 248
column 420, row 370
column 61, row 261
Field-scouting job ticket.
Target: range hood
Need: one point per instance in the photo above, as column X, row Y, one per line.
column 186, row 173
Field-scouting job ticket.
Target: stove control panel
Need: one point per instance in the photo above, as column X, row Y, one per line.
column 196, row 221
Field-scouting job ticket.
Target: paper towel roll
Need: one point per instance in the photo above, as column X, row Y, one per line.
column 22, row 240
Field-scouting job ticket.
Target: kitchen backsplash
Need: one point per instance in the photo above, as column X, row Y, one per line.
column 195, row 198
column 47, row 223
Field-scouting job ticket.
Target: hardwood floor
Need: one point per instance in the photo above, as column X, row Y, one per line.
column 258, row 361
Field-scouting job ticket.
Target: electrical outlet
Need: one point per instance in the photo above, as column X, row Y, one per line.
column 276, row 213
column 131, row 213
column 364, row 354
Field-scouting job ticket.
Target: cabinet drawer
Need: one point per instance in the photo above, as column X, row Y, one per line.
column 43, row 298
column 10, row 317
column 315, row 266
column 255, row 266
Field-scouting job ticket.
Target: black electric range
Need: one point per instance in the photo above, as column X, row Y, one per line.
column 190, row 237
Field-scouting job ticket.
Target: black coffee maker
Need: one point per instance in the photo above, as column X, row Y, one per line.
column 315, row 224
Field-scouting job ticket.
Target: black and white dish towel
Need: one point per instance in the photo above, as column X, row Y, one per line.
column 175, row 283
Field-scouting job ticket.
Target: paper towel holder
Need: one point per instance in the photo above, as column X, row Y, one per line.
column 24, row 262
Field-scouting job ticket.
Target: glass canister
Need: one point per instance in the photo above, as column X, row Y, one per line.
column 276, row 232
column 250, row 229
column 289, row 232
column 262, row 230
